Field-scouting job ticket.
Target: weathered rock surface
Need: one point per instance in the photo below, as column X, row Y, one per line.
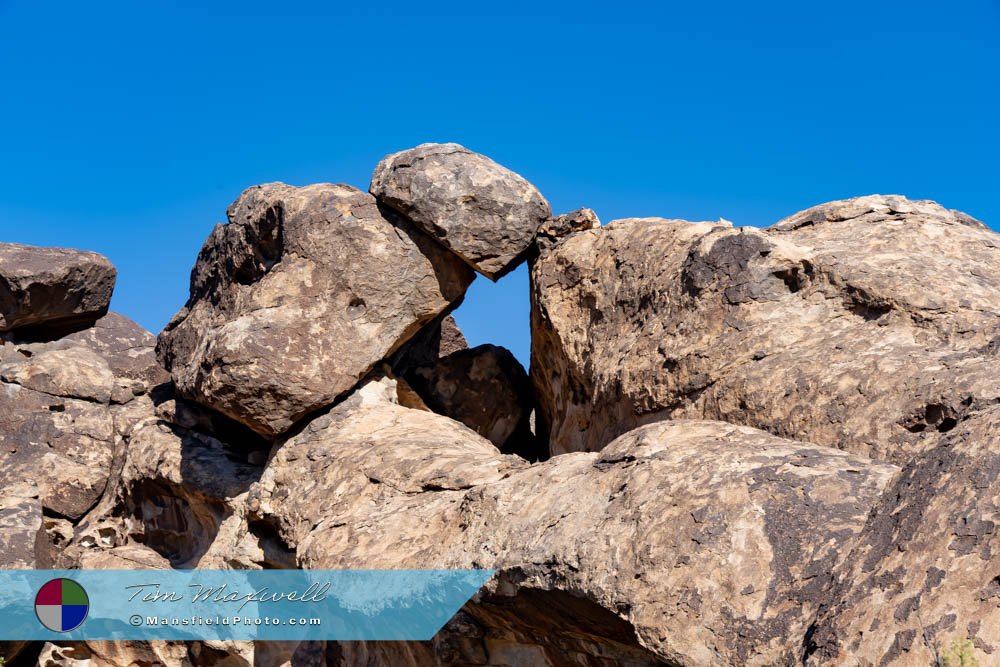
column 49, row 286
column 23, row 544
column 486, row 389
column 701, row 382
column 483, row 212
column 169, row 495
column 563, row 225
column 65, row 405
column 301, row 294
column 925, row 572
column 870, row 325
column 637, row 555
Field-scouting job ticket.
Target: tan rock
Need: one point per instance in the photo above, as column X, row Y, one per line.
column 67, row 404
column 298, row 297
column 867, row 325
column 924, row 576
column 486, row 389
column 636, row 555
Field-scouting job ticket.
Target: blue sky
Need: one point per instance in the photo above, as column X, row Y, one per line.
column 128, row 127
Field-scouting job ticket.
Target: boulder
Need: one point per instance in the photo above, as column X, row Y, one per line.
column 486, row 389
column 167, row 498
column 300, row 295
column 46, row 287
column 481, row 211
column 641, row 554
column 923, row 579
column 869, row 324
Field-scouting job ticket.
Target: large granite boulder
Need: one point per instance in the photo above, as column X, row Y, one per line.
column 641, row 554
column 870, row 325
column 923, row 579
column 481, row 211
column 45, row 287
column 300, row 295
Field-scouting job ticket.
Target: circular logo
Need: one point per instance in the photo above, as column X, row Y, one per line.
column 61, row 605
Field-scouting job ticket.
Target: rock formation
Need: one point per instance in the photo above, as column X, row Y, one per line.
column 300, row 295
column 867, row 325
column 752, row 447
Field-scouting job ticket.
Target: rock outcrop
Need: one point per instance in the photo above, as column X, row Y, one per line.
column 481, row 211
column 299, row 296
column 868, row 325
column 52, row 286
column 755, row 447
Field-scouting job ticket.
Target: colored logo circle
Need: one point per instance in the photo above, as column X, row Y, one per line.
column 61, row 605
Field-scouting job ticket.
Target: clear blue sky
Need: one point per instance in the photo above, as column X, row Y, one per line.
column 128, row 127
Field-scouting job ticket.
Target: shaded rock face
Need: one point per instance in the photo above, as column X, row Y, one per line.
column 481, row 211
column 294, row 300
column 486, row 389
column 925, row 571
column 734, row 556
column 868, row 325
column 436, row 340
column 52, row 286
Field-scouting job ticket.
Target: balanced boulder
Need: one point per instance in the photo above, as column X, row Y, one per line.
column 300, row 295
column 481, row 211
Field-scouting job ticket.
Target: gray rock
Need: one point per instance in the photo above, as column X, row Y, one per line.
column 52, row 286
column 869, row 325
column 483, row 212
column 298, row 297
